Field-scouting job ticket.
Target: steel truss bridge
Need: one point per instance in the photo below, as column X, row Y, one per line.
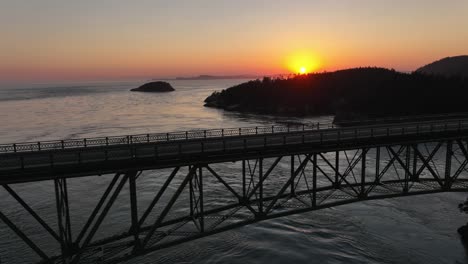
column 217, row 180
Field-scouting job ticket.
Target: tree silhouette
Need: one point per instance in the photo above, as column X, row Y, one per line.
column 368, row 92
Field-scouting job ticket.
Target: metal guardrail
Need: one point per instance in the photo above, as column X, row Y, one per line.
column 413, row 118
column 188, row 135
column 157, row 137
column 260, row 137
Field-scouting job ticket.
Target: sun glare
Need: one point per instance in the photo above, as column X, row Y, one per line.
column 302, row 63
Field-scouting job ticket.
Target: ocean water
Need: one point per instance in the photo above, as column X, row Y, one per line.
column 420, row 229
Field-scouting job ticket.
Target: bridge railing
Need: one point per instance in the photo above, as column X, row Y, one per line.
column 188, row 135
column 158, row 137
column 262, row 138
column 396, row 119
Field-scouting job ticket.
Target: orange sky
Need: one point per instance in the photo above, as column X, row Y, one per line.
column 84, row 40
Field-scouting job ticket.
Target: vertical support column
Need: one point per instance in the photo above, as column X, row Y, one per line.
column 260, row 173
column 293, row 192
column 63, row 218
column 200, row 190
column 377, row 165
column 415, row 163
column 448, row 165
column 244, row 188
column 314, row 182
column 191, row 190
column 407, row 164
column 134, row 208
column 363, row 174
column 337, row 169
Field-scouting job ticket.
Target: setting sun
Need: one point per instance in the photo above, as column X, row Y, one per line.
column 302, row 62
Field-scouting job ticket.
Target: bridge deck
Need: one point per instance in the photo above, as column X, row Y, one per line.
column 28, row 162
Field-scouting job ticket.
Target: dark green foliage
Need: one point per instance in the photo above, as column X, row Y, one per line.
column 374, row 92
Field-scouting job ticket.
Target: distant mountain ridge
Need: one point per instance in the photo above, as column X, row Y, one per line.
column 218, row 77
column 449, row 67
column 226, row 77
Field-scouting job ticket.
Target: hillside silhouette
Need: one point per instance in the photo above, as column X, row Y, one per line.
column 451, row 66
column 362, row 92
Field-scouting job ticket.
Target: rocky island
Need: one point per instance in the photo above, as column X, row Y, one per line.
column 154, row 87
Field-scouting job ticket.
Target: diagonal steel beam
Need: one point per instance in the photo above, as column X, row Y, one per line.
column 350, row 168
column 23, row 237
column 338, row 175
column 464, row 163
column 385, row 169
column 168, row 206
column 342, row 177
column 403, row 164
column 31, row 212
column 288, row 183
column 240, row 198
column 100, row 219
column 323, row 172
column 260, row 183
column 352, row 164
column 96, row 209
column 426, row 164
column 221, row 180
column 158, row 196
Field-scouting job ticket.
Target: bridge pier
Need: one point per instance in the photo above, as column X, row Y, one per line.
column 448, row 165
column 363, row 192
column 407, row 169
column 377, row 165
column 415, row 176
column 135, row 228
column 293, row 176
column 63, row 219
column 337, row 170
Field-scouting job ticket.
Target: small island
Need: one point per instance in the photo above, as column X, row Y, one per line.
column 154, row 87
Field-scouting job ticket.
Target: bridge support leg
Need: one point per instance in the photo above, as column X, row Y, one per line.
column 314, row 182
column 415, row 176
column 407, row 164
column 448, row 165
column 293, row 192
column 191, row 191
column 196, row 197
column 363, row 193
column 260, row 174
column 200, row 193
column 244, row 188
column 377, row 165
column 337, row 170
column 63, row 219
column 134, row 209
